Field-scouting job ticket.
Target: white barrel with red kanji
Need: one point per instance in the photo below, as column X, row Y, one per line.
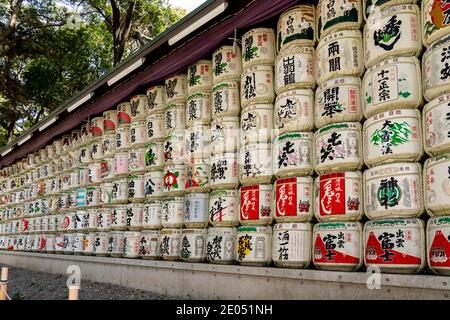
column 294, row 111
column 291, row 245
column 150, row 244
column 224, row 208
column 438, row 245
column 256, row 204
column 436, row 184
column 224, row 171
column 176, row 88
column 115, row 244
column 338, row 15
column 196, row 214
column 254, row 245
column 198, row 176
column 131, row 244
column 123, row 114
column 152, row 215
column 257, row 85
column 293, row 154
column 435, row 23
column 294, row 199
column 172, row 212
column 193, row 245
column 226, row 64
column 395, row 245
column 436, row 129
column 156, row 98
column 198, row 108
column 170, row 244
column 338, row 246
column 139, row 104
column 258, row 47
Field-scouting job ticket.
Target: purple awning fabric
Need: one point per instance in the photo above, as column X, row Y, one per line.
column 178, row 61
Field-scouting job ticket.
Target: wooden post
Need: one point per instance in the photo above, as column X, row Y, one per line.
column 4, row 284
column 73, row 292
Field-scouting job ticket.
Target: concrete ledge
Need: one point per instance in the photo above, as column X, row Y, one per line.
column 208, row 281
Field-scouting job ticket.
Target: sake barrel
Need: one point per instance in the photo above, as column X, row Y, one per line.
column 150, row 244
column 436, row 183
column 335, row 15
column 293, row 199
column 438, row 245
column 50, row 244
column 118, row 217
column 131, row 244
column 90, row 220
column 174, row 117
column 175, row 179
column 154, row 156
column 155, row 127
column 135, row 213
column 199, row 76
column 256, row 123
column 391, row 84
column 196, row 212
column 294, row 69
column 294, row 111
column 254, row 245
column 83, row 178
column 257, row 85
column 121, row 163
column 123, row 139
column 139, row 104
column 109, row 121
column 156, row 98
column 340, row 54
column 193, row 245
column 224, row 171
column 258, row 47
column 107, row 169
column 435, row 21
column 109, row 145
column 123, row 114
column 197, row 143
column 338, row 246
column 221, row 245
column 103, row 220
column 81, row 198
column 96, row 126
column 115, row 244
column 338, row 147
column 393, row 136
column 153, row 185
column 78, row 243
column 93, row 196
column 338, row 196
column 176, row 88
column 152, row 215
column 136, row 190
column 59, row 243
column 170, row 244
column 394, row 31
column 84, row 156
column 374, row 6
column 174, row 148
column 88, row 244
column 85, row 133
column 198, row 108
column 436, row 126
column 297, row 25
column 224, row 135
column 393, row 191
column 436, row 69
column 255, row 164
column 138, row 133
column 67, row 243
column 198, row 176
column 136, row 160
column 256, row 204
column 395, row 245
column 172, row 212
column 338, row 100
column 224, row 208
column 293, row 154
column 225, row 99
column 95, row 169
column 226, row 64
column 291, row 245
column 120, row 191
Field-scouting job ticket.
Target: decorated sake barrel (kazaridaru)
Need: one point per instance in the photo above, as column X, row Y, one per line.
column 95, row 169
column 110, row 121
column 59, row 243
column 197, row 142
column 174, row 117
column 121, row 163
column 255, row 164
column 135, row 213
column 435, row 22
column 123, row 139
column 193, row 245
column 293, row 154
column 152, row 215
column 335, row 15
column 338, row 100
column 96, row 150
column 88, row 244
column 139, row 105
column 294, row 111
column 291, row 245
column 256, row 204
column 174, row 148
column 224, row 208
column 393, row 136
column 436, row 183
column 154, row 156
column 395, row 245
column 257, row 85
column 176, row 88
column 156, row 99
column 115, row 244
column 170, row 244
column 393, row 191
column 198, row 176
column 120, row 191
column 49, row 245
column 123, row 114
column 224, row 171
column 196, row 212
column 90, row 220
column 226, row 64
column 297, row 25
column 375, row 6
column 136, row 160
column 172, row 212
column 119, row 217
column 256, row 123
column 338, row 147
column 198, row 108
column 78, row 243
column 131, row 244
column 136, row 190
column 391, row 84
column 294, row 69
column 224, row 135
column 340, row 54
column 438, row 245
column 67, row 243
column 92, row 197
column 225, row 99
column 436, row 69
column 338, row 196
column 394, row 31
column 258, row 47
column 96, row 126
column 84, row 155
column 109, row 145
column 150, row 244
column 155, row 127
column 175, row 180
column 107, row 169
column 199, row 76
column 293, row 199
column 138, row 133
column 338, row 246
column 436, row 126
column 254, row 245
column 153, row 185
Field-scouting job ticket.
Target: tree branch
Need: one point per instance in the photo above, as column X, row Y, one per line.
column 105, row 17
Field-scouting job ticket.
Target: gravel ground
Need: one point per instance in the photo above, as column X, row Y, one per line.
column 30, row 285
